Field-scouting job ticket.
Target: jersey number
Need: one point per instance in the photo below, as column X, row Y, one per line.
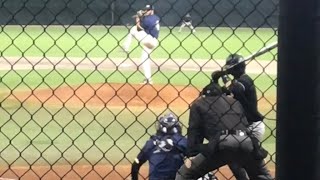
column 157, row 26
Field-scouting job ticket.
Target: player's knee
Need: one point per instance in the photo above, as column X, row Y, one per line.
column 151, row 43
column 133, row 30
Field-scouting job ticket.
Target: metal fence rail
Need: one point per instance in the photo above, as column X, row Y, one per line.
column 73, row 104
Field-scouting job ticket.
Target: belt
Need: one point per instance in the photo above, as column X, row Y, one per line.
column 234, row 132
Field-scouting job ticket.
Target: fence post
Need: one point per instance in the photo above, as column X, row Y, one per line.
column 317, row 99
column 112, row 12
column 297, row 80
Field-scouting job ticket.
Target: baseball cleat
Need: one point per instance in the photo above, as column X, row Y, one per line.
column 124, row 49
column 147, row 81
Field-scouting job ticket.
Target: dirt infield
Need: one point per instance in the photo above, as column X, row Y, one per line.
column 72, row 172
column 151, row 96
column 86, row 172
column 112, row 95
column 106, row 95
column 69, row 172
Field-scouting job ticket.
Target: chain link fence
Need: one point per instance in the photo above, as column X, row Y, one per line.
column 73, row 104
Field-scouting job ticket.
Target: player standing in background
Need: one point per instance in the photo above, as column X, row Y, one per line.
column 147, row 33
column 187, row 21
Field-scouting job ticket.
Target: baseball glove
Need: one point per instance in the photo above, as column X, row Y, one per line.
column 139, row 14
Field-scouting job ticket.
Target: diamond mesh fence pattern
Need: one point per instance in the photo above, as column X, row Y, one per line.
column 78, row 101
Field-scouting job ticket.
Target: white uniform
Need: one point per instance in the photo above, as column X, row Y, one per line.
column 187, row 22
column 148, row 44
column 147, row 39
column 128, row 40
column 140, row 36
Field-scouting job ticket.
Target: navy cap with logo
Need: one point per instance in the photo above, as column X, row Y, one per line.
column 148, row 7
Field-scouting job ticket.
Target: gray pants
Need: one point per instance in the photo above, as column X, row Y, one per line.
column 257, row 129
column 189, row 24
column 229, row 151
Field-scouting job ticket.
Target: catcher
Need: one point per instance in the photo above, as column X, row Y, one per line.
column 165, row 151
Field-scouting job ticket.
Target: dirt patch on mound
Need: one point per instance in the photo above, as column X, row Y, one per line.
column 122, row 95
column 112, row 95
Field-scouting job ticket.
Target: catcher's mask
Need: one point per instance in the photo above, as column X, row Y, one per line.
column 235, row 65
column 168, row 124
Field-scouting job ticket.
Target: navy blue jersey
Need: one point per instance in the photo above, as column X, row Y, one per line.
column 151, row 25
column 165, row 155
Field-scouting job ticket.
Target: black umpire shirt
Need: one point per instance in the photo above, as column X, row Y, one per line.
column 209, row 115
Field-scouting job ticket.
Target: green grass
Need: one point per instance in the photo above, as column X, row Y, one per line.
column 44, row 135
column 33, row 79
column 100, row 41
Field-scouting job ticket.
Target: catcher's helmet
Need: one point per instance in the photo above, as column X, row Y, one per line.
column 235, row 64
column 168, row 124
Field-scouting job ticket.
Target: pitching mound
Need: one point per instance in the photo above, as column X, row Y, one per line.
column 112, row 95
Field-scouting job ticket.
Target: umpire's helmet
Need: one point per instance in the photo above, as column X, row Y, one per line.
column 168, row 124
column 212, row 89
column 235, row 65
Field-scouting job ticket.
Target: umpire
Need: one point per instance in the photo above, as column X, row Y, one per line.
column 221, row 120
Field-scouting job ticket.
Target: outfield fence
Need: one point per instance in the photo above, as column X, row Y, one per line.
column 73, row 102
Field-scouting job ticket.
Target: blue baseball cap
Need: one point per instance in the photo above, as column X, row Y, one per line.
column 148, row 7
